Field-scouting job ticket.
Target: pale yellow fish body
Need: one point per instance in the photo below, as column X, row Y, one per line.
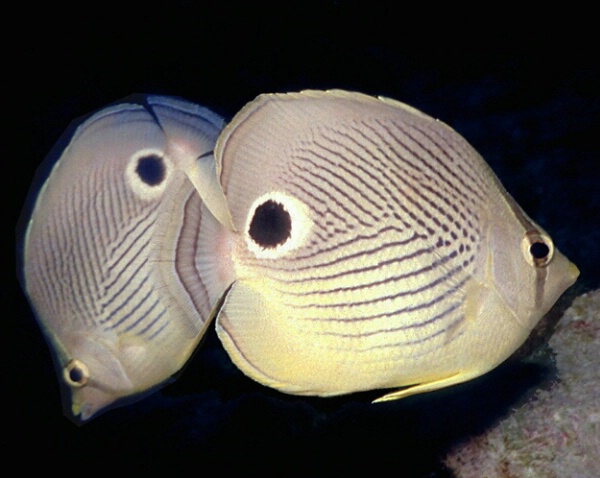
column 104, row 266
column 370, row 247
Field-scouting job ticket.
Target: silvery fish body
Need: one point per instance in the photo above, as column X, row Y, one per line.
column 365, row 245
column 103, row 266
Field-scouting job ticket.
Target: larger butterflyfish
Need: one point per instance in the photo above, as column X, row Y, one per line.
column 371, row 247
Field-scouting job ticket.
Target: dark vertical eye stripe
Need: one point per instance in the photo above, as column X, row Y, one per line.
column 96, row 263
column 540, row 284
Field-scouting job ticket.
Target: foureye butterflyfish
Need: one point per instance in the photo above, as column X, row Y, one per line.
column 104, row 263
column 370, row 247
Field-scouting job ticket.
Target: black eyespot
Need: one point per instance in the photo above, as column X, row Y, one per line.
column 271, row 225
column 76, row 373
column 539, row 250
column 151, row 169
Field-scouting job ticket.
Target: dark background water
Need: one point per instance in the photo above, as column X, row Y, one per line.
column 524, row 90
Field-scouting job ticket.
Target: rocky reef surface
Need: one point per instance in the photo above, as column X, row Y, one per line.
column 556, row 433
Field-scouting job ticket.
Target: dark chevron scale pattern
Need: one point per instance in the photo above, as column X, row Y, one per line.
column 394, row 244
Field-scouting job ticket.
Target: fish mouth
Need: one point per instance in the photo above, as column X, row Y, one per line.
column 83, row 411
column 88, row 402
column 573, row 272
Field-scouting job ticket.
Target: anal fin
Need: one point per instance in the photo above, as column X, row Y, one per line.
column 426, row 387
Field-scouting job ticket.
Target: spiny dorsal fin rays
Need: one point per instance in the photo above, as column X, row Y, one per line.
column 179, row 114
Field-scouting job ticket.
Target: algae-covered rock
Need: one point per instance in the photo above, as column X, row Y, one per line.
column 557, row 433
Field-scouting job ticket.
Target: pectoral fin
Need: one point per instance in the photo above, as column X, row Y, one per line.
column 260, row 340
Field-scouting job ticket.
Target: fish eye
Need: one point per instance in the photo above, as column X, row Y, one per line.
column 147, row 173
column 271, row 224
column 76, row 373
column 276, row 224
column 538, row 248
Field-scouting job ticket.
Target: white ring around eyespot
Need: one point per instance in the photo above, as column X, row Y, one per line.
column 300, row 219
column 140, row 188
